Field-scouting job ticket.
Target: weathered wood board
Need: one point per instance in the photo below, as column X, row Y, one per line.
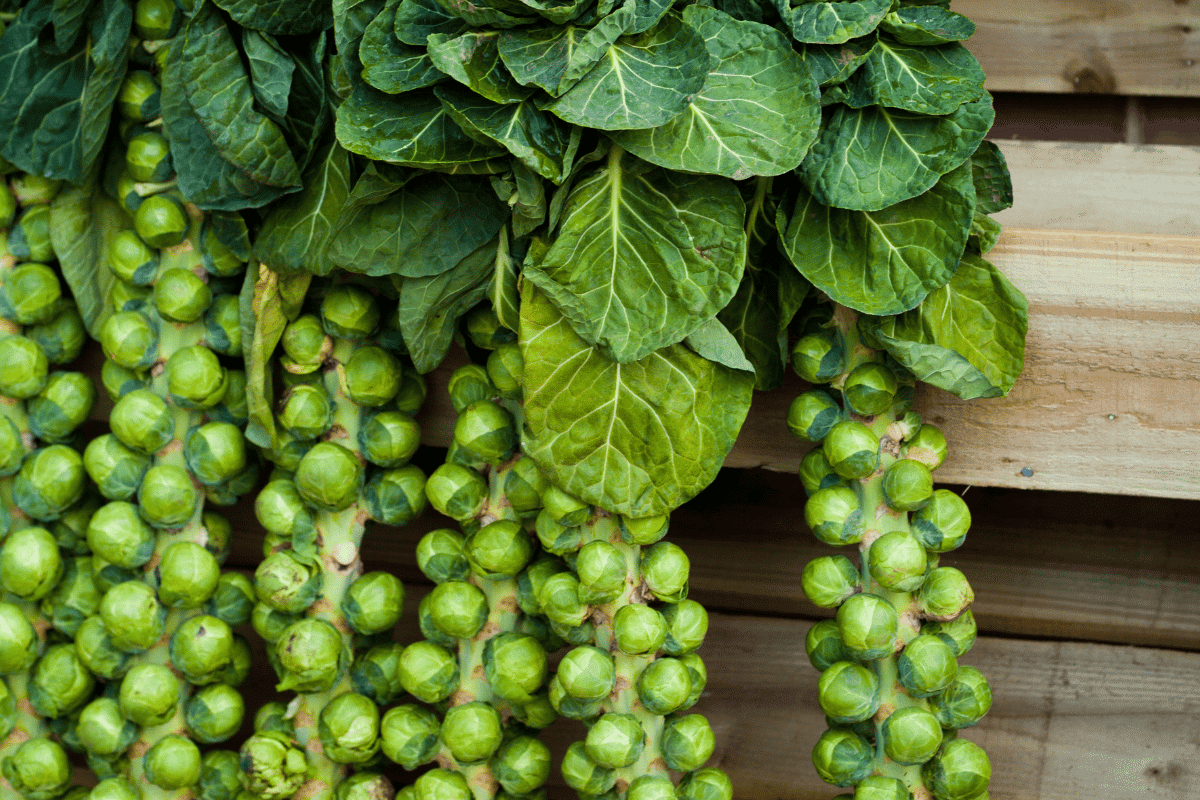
column 1139, row 47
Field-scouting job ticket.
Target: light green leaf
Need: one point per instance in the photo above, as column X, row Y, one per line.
column 505, row 293
column 883, row 262
column 832, row 64
column 967, row 337
column 495, row 13
column 270, row 71
column 294, row 234
column 642, row 81
column 832, row 23
column 757, row 113
column 993, row 184
column 985, row 232
column 870, row 158
column 713, row 341
column 927, row 25
column 556, row 12
column 280, row 17
column 389, row 65
column 529, row 206
column 925, row 80
column 639, row 438
column 644, row 256
column 417, row 19
column 473, row 60
column 268, row 301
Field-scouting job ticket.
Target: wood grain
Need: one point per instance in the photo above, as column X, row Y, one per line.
column 1137, row 47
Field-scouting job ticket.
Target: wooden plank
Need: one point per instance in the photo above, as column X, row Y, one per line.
column 1139, row 47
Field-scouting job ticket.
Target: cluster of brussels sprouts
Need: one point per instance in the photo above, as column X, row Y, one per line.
column 891, row 687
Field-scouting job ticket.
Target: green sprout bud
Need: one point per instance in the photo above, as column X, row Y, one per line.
column 537, row 714
column 523, row 485
column 95, row 649
column 867, row 624
column 70, row 530
column 601, row 569
column 117, row 533
column 639, row 630
column 413, row 390
column 218, row 532
column 812, row 415
column 664, row 685
column 223, row 325
column 441, row 556
column 31, row 188
column 515, row 666
column 880, row 787
column 373, row 603
column 664, row 569
column 828, row 580
column 12, row 453
column 148, row 695
column 852, row 449
column 273, row 766
column 468, row 384
column 848, row 692
column 458, row 609
column 521, row 765
column 587, row 673
column 818, row 357
column 428, row 672
column 311, row 655
column 116, row 469
column 133, row 616
column 106, row 575
column 241, row 660
column 959, row 633
column 195, row 378
column 559, row 599
column 833, row 515
column 306, row 345
column 272, row 717
column 349, row 729
column 50, row 481
column 506, row 369
column 456, row 491
column 18, row 640
column 687, row 625
column 410, row 735
column 269, row 623
column 62, row 406
column 307, row 411
column 572, row 707
column 29, row 294
column 907, row 485
column 220, row 775
column 615, row 740
column 180, row 296
column 280, row 509
column 926, row 666
column 102, row 728
column 927, row 446
column 372, row 376
column 285, row 583
column 187, row 575
column 389, row 439
column 687, row 742
column 23, row 368
column 161, row 221
column 59, row 682
column 709, row 783
column 142, row 421
column 472, row 731
column 583, row 774
column 942, row 525
column 156, row 19
column 651, row 787
column 29, row 239
column 557, row 538
column 365, row 786
column 911, row 735
column 484, row 328
column 565, row 509
column 945, row 594
column 842, row 757
column 201, row 648
column 870, row 388
column 441, row 784
column 30, row 564
column 329, row 477
column 530, row 582
column 375, row 673
column 959, row 771
column 396, row 496
column 62, row 336
column 139, row 97
column 233, row 600
column 487, row 430
column 349, row 312
column 38, row 769
column 130, row 340
column 897, row 561
column 167, row 496
column 148, row 158
column 964, row 702
column 118, row 789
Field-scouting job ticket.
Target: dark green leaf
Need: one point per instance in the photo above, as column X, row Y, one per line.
column 713, row 341
column 280, row 17
column 529, row 206
column 294, row 234
column 68, row 18
column 556, row 12
column 350, row 20
column 967, row 337
column 473, row 60
column 834, row 63
column 542, row 56
column 230, row 229
column 389, row 65
column 270, row 71
column 639, row 438
column 495, row 13
column 985, row 232
column 832, row 23
column 309, row 111
column 993, row 184
column 430, row 307
column 925, row 80
column 417, row 19
column 927, row 25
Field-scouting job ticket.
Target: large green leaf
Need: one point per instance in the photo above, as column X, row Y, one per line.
column 644, row 256
column 294, row 234
column 927, row 25
column 925, row 80
column 68, row 18
column 473, row 60
column 832, row 23
column 642, row 81
column 967, row 337
column 883, row 262
column 430, row 307
column 219, row 93
column 639, row 438
column 271, row 70
column 350, row 21
column 543, row 56
column 417, row 19
column 870, row 158
column 993, row 184
column 834, row 63
column 494, row 13
column 757, row 113
column 55, row 106
column 504, row 291
column 556, row 11
column 280, row 17
column 390, row 65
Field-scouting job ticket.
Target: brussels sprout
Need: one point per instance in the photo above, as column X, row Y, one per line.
column 834, row 516
column 32, row 189
column 280, row 509
column 50, row 481
column 818, row 357
column 563, row 508
column 484, row 328
column 709, row 783
column 349, row 729
column 201, row 648
column 148, row 695
column 926, row 666
column 506, row 368
column 142, row 421
column 306, row 412
column 365, row 786
column 687, row 742
column 880, row 787
column 587, row 673
column 102, row 728
column 232, row 407
column 583, row 774
column 852, row 449
column 413, row 390
column 389, row 439
column 499, row 549
column 195, row 378
column 848, row 692
column 945, row 594
column 116, row 469
column 472, row 731
column 167, row 496
column 218, row 532
column 456, row 491
column 870, row 388
column 30, row 294
column 138, row 98
column 161, row 221
column 223, row 325
column 515, row 666
column 30, row 564
column 441, row 784
column 18, row 640
column 559, row 599
column 927, row 446
column 842, row 757
column 132, row 615
column 556, row 538
column 269, row 623
column 897, row 561
column 396, row 496
column 812, row 414
column 95, row 649
column 8, row 205
column 602, row 571
column 29, row 239
column 224, row 247
column 468, row 384
column 220, row 775
column 664, row 569
column 187, row 575
column 441, row 555
column 959, row 771
column 12, row 453
column 428, row 672
column 272, row 716
column 241, row 660
column 964, row 702
column 409, row 735
column 537, row 714
column 118, row 534
column 372, row 376
column 180, row 296
column 664, row 685
column 867, row 624
column 639, row 629
column 487, row 430
column 942, row 525
column 911, row 735
column 828, row 580
column 521, row 765
column 125, row 296
column 156, row 19
column 651, row 787
column 373, row 602
column 286, row 583
column 375, row 673
column 349, row 312
column 148, row 158
column 615, row 740
column 458, row 609
column 37, row 769
column 59, row 682
column 273, row 766
column 118, row 789
column 907, row 485
column 23, row 368
column 329, row 477
column 62, row 336
column 233, row 600
column 306, row 345
column 311, row 655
